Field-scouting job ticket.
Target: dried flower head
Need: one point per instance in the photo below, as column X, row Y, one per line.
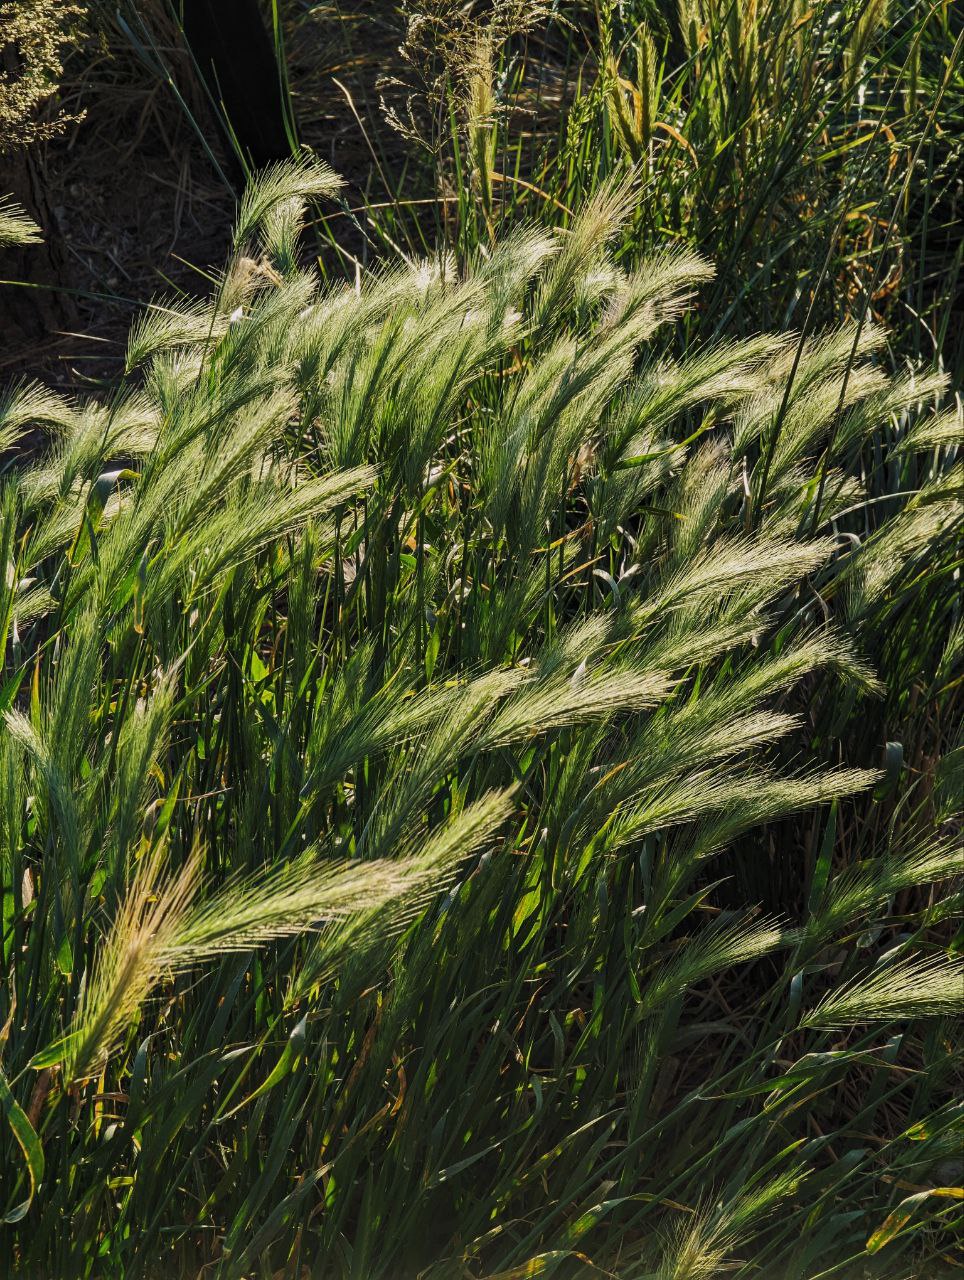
column 32, row 38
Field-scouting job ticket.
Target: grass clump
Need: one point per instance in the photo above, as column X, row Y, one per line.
column 417, row 700
column 811, row 149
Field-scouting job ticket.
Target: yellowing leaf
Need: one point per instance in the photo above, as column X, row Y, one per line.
column 896, row 1221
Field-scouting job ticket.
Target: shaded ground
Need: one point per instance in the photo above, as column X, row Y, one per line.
column 137, row 200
